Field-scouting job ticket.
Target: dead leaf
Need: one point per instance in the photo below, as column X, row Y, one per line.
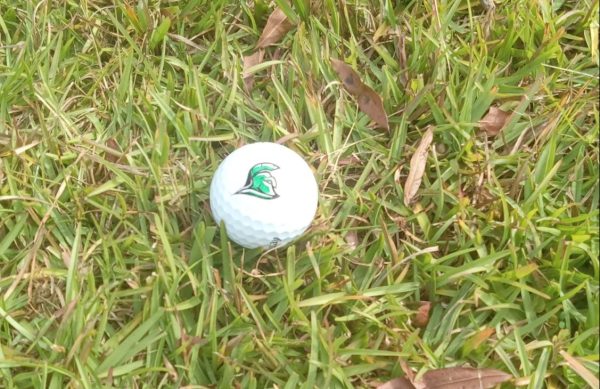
column 368, row 100
column 463, row 378
column 277, row 26
column 286, row 138
column 350, row 79
column 109, row 376
column 250, row 61
column 66, row 256
column 351, row 160
column 417, row 167
column 382, row 30
column 488, row 5
column 410, row 375
column 170, row 369
column 422, row 316
column 184, row 40
column 581, row 370
column 352, row 239
column 371, row 104
column 397, row 383
column 494, row 121
column 112, row 151
column 397, row 175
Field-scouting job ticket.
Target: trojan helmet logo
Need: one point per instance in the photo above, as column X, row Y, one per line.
column 260, row 182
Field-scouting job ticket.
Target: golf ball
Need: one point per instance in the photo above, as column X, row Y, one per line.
column 266, row 195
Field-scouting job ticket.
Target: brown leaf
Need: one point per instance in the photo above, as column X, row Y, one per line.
column 417, row 167
column 494, row 121
column 351, row 160
column 397, row 175
column 170, row 369
column 184, row 40
column 370, row 103
column 422, row 316
column 463, row 378
column 112, row 151
column 410, row 375
column 352, row 239
column 581, row 370
column 368, row 100
column 277, row 26
column 286, row 138
column 249, row 61
column 382, row 30
column 348, row 76
column 397, row 383
column 488, row 5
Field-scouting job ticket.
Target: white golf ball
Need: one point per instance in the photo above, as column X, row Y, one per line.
column 265, row 194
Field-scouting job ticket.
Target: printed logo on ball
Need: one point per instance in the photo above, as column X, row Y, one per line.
column 260, row 182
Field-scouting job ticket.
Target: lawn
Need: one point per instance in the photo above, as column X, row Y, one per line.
column 114, row 116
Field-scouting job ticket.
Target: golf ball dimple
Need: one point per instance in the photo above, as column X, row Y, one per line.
column 266, row 195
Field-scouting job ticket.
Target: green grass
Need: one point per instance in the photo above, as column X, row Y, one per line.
column 113, row 273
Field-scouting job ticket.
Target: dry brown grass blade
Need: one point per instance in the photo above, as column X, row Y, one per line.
column 417, row 167
column 277, row 26
column 402, row 58
column 368, row 100
column 250, row 61
column 397, row 383
column 478, row 339
column 494, row 121
column 581, row 370
column 463, row 378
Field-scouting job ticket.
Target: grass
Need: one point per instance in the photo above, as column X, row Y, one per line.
column 113, row 273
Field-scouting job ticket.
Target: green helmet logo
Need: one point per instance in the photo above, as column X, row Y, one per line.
column 260, row 182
